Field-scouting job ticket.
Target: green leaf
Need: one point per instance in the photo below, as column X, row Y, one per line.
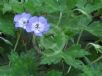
column 6, row 41
column 53, row 45
column 13, row 1
column 53, row 40
column 30, row 7
column 70, row 4
column 71, row 54
column 75, row 51
column 51, row 58
column 6, row 24
column 75, row 24
column 23, row 65
column 51, row 6
column 17, row 7
column 72, row 61
column 97, row 47
column 88, row 71
column 95, row 29
column 88, row 7
column 5, row 70
column 92, row 70
column 53, row 73
column 7, row 7
column 93, row 7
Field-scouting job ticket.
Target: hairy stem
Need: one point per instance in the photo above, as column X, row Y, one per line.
column 69, row 69
column 15, row 47
column 59, row 20
column 96, row 60
column 79, row 37
column 35, row 45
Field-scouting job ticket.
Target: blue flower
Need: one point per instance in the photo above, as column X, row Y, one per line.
column 21, row 20
column 39, row 25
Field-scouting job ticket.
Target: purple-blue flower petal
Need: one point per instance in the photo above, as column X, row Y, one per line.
column 47, row 27
column 21, row 20
column 38, row 25
column 38, row 34
column 28, row 28
column 26, row 15
column 43, row 20
column 17, row 25
column 17, row 17
column 33, row 19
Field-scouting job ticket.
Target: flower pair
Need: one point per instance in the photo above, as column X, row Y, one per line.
column 37, row 24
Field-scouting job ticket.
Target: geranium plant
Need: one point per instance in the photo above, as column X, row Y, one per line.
column 51, row 37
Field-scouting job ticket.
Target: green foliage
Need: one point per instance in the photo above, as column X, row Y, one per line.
column 92, row 71
column 22, row 65
column 6, row 25
column 53, row 73
column 72, row 53
column 54, row 41
column 76, row 52
column 63, row 50
column 51, row 58
column 69, row 56
column 94, row 28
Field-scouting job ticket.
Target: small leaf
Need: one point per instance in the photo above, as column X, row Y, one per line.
column 54, row 40
column 6, row 41
column 97, row 47
column 7, row 7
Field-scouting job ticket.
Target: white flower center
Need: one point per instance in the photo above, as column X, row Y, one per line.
column 23, row 22
column 38, row 27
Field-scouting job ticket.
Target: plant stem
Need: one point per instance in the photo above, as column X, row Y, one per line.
column 79, row 37
column 59, row 20
column 15, row 47
column 96, row 60
column 69, row 69
column 35, row 45
column 87, row 61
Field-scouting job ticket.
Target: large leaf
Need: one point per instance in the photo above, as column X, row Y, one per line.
column 51, row 58
column 72, row 61
column 6, row 24
column 92, row 71
column 55, row 40
column 88, row 7
column 76, row 52
column 75, row 24
column 70, row 56
column 6, row 7
column 23, row 65
column 95, row 29
column 51, row 6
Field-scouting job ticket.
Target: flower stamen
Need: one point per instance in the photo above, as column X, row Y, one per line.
column 37, row 26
